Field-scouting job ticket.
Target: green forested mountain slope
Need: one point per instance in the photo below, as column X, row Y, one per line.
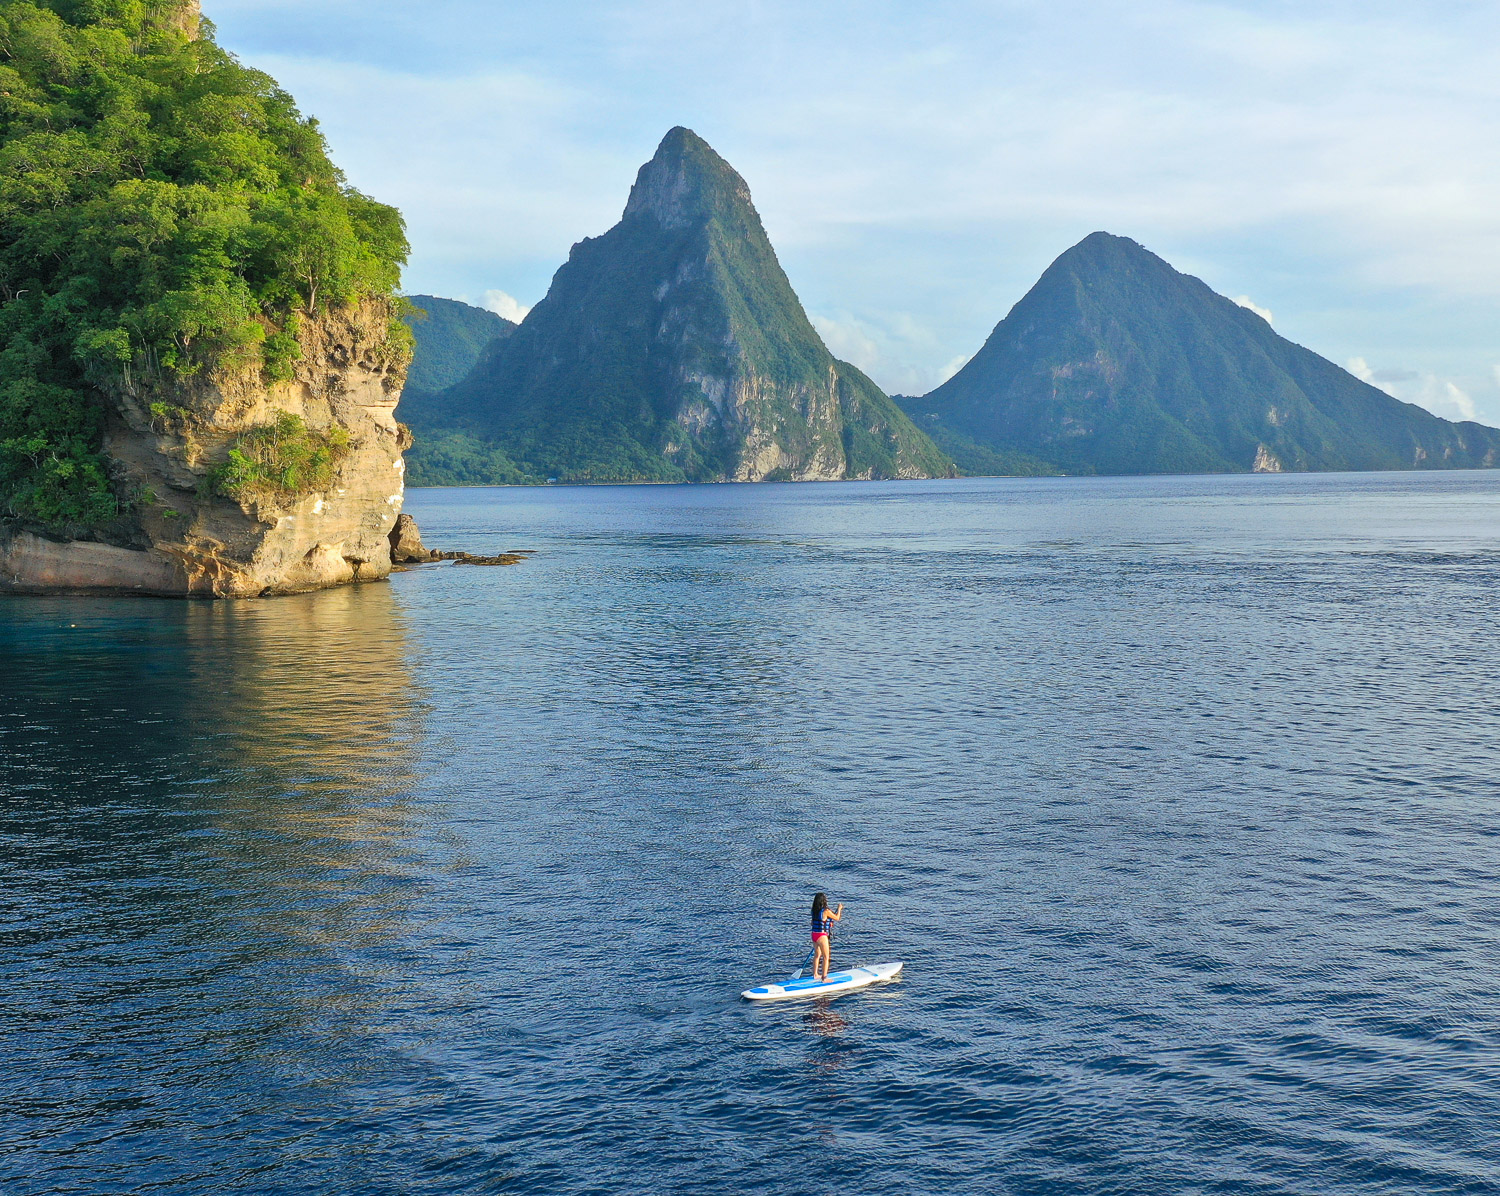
column 166, row 214
column 450, row 338
column 672, row 348
column 1116, row 363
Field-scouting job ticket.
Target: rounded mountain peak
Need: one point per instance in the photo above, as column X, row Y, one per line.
column 686, row 183
column 1105, row 259
column 1107, row 250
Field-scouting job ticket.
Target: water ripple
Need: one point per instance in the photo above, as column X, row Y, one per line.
column 1176, row 795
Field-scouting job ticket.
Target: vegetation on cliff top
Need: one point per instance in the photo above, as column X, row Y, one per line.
column 279, row 460
column 164, row 211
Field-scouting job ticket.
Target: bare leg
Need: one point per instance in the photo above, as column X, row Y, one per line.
column 820, row 961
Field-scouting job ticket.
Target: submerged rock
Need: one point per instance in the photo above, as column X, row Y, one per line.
column 407, row 549
column 468, row 558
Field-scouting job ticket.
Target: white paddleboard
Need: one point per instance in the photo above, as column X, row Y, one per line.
column 837, row 982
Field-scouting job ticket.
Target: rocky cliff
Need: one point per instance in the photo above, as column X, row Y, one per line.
column 195, row 528
column 1117, row 363
column 672, row 348
column 185, row 16
column 199, row 378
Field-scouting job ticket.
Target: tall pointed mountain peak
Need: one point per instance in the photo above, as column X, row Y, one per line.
column 1103, row 245
column 673, row 348
column 686, row 183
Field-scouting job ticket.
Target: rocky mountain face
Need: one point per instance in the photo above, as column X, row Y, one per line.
column 1116, row 363
column 186, row 16
column 672, row 348
column 198, row 528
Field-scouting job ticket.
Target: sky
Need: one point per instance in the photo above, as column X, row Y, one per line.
column 1334, row 164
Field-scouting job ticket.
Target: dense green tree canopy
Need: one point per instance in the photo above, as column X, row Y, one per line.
column 163, row 210
column 450, row 339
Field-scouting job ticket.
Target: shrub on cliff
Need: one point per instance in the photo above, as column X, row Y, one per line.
column 164, row 210
column 280, row 459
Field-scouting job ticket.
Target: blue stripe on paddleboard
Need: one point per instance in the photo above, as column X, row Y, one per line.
column 803, row 985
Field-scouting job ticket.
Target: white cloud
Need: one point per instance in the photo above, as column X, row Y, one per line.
column 849, row 341
column 1263, row 312
column 953, row 367
column 1457, row 399
column 1334, row 159
column 1441, row 396
column 505, row 306
column 893, row 352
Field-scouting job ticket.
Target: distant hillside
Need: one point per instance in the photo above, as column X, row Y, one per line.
column 672, row 348
column 450, row 337
column 1116, row 363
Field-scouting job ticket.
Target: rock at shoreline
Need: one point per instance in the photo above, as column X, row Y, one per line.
column 406, row 543
column 407, row 549
column 468, row 558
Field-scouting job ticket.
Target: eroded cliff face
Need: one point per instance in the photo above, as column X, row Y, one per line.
column 186, row 16
column 167, row 442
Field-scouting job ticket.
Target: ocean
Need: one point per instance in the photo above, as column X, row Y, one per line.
column 1178, row 797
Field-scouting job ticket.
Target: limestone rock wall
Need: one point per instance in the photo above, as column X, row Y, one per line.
column 182, row 538
column 187, row 15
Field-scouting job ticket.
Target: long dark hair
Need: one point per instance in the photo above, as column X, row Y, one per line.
column 820, row 903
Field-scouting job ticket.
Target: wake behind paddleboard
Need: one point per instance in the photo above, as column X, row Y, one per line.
column 838, row 982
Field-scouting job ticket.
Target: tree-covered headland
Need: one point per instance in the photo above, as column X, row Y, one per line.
column 165, row 213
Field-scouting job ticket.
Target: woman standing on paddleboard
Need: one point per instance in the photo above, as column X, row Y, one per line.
column 822, row 927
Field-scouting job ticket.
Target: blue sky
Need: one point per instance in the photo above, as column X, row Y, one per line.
column 918, row 165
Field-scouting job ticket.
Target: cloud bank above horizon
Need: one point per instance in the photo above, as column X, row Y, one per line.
column 917, row 169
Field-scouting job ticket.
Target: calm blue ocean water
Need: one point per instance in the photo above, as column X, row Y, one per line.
column 1177, row 796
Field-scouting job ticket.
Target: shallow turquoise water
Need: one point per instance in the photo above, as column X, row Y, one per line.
column 1177, row 796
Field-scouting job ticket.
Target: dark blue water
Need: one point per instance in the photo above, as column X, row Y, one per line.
column 1177, row 796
